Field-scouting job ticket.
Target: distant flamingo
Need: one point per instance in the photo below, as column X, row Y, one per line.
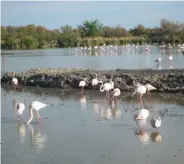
column 149, row 88
column 94, row 82
column 146, row 48
column 82, row 84
column 35, row 105
column 170, row 60
column 140, row 90
column 158, row 60
column 14, row 80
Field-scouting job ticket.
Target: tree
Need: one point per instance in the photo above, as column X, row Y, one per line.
column 90, row 28
column 30, row 42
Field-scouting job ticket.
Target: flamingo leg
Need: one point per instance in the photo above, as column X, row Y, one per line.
column 140, row 100
column 38, row 116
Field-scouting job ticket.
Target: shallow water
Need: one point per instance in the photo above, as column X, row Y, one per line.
column 125, row 58
column 75, row 130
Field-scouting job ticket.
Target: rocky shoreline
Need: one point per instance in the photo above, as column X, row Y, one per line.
column 163, row 80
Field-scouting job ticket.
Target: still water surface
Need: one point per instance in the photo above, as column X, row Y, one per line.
column 75, row 130
column 125, row 58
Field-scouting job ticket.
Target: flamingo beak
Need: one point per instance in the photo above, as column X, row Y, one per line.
column 138, row 118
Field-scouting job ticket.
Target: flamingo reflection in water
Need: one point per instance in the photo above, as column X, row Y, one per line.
column 143, row 136
column 105, row 112
column 21, row 132
column 116, row 112
column 96, row 108
column 37, row 138
column 156, row 137
column 83, row 102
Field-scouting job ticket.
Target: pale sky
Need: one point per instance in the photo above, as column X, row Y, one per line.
column 54, row 14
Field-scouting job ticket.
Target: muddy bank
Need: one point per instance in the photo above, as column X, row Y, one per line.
column 163, row 80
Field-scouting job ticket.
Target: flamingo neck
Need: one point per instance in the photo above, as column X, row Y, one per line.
column 101, row 88
column 31, row 114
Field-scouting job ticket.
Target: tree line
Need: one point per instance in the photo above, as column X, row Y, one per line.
column 89, row 33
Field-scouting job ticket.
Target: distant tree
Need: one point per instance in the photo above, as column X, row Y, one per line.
column 139, row 30
column 30, row 42
column 90, row 28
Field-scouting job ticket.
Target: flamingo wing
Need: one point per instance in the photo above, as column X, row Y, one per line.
column 141, row 89
column 36, row 105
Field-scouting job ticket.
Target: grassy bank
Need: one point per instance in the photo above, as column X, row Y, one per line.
column 92, row 41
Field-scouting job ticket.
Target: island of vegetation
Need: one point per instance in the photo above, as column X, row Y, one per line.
column 89, row 33
column 163, row 80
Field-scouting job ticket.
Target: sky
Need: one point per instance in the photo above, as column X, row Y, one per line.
column 54, row 14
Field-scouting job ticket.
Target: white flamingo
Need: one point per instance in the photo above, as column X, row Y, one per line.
column 20, row 107
column 82, row 84
column 105, row 87
column 142, row 115
column 158, row 60
column 35, row 105
column 14, row 81
column 156, row 122
column 95, row 82
column 149, row 88
column 115, row 93
column 170, row 59
column 140, row 90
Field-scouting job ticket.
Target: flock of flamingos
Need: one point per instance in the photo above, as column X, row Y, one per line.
column 111, row 94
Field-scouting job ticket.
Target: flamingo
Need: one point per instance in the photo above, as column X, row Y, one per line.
column 105, row 87
column 140, row 90
column 158, row 60
column 35, row 105
column 156, row 122
column 147, row 48
column 14, row 81
column 149, row 88
column 82, row 84
column 20, row 107
column 142, row 115
column 95, row 82
column 170, row 59
column 116, row 92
